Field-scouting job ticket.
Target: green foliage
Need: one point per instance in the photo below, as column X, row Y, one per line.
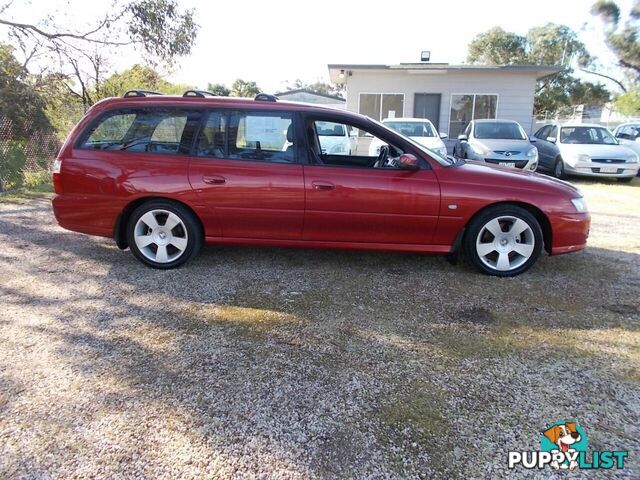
column 498, row 47
column 34, row 178
column 549, row 44
column 241, row 88
column 622, row 37
column 629, row 103
column 137, row 77
column 318, row 87
column 219, row 89
column 161, row 29
column 12, row 162
column 19, row 102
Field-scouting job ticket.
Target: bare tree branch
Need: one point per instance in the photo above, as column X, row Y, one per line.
column 617, row 82
column 26, row 27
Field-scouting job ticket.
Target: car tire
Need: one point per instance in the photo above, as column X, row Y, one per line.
column 558, row 169
column 163, row 234
column 503, row 253
column 626, row 179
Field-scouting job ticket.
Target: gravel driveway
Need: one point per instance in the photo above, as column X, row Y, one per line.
column 278, row 363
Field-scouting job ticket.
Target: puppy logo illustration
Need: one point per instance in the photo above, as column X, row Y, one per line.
column 566, row 438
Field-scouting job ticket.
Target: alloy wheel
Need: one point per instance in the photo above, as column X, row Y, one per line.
column 505, row 243
column 161, row 236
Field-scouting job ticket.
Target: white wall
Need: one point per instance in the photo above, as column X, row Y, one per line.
column 515, row 90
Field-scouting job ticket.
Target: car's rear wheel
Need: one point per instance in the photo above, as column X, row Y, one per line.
column 504, row 241
column 558, row 169
column 163, row 234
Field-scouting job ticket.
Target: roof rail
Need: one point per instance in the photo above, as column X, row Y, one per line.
column 140, row 93
column 265, row 97
column 199, row 93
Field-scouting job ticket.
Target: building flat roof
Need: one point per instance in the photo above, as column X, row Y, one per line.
column 539, row 71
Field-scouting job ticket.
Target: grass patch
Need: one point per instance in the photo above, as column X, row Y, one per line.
column 43, row 190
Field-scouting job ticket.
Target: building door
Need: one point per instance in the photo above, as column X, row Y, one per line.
column 427, row 105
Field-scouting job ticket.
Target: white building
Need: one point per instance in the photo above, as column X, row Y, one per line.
column 309, row 96
column 448, row 95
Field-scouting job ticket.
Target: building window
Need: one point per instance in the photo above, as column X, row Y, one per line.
column 382, row 105
column 465, row 108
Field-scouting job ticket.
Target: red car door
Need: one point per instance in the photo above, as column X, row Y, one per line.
column 245, row 170
column 368, row 205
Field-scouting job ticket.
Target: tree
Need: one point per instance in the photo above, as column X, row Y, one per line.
column 241, row 88
column 20, row 104
column 138, row 77
column 629, row 102
column 549, row 44
column 622, row 37
column 219, row 89
column 497, row 47
column 156, row 28
column 317, row 87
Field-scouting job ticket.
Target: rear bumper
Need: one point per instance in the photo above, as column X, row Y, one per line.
column 569, row 232
column 86, row 213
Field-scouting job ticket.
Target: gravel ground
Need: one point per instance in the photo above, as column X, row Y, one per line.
column 278, row 363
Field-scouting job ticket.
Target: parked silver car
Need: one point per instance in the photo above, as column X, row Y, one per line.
column 628, row 134
column 583, row 149
column 500, row 142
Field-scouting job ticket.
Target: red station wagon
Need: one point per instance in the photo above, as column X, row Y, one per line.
column 164, row 174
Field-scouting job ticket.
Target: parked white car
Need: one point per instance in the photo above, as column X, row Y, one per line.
column 586, row 150
column 336, row 139
column 420, row 130
column 628, row 134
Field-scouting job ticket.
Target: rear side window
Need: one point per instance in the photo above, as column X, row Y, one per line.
column 262, row 136
column 150, row 130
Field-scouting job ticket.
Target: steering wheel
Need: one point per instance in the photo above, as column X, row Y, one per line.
column 382, row 157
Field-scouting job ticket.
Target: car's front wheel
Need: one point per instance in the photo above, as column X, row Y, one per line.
column 504, row 241
column 163, row 234
column 558, row 169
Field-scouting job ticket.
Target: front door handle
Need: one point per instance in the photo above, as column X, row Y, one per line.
column 214, row 179
column 323, row 186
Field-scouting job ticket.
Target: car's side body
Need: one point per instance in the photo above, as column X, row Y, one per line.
column 516, row 153
column 584, row 159
column 300, row 203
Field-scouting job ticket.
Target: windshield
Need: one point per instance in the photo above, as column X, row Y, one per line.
column 499, row 130
column 329, row 129
column 587, row 135
column 412, row 129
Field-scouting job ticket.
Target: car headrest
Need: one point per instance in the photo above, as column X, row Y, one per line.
column 290, row 133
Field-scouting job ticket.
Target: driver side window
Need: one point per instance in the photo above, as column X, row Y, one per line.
column 335, row 143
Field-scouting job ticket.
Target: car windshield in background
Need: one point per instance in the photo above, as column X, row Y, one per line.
column 587, row 135
column 412, row 129
column 329, row 129
column 499, row 130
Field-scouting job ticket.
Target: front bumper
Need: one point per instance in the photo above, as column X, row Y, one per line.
column 569, row 232
column 519, row 162
column 594, row 169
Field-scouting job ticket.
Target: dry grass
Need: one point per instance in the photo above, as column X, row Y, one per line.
column 309, row 364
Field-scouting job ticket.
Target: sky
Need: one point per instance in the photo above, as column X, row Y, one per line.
column 272, row 42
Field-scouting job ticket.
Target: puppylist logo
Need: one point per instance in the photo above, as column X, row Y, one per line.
column 563, row 446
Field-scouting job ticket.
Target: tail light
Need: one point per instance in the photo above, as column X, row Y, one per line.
column 57, row 180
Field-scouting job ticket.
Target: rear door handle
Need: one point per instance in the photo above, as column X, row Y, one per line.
column 323, row 186
column 214, row 179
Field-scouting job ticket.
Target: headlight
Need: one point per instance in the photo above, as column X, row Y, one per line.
column 533, row 153
column 634, row 159
column 583, row 157
column 580, row 204
column 480, row 150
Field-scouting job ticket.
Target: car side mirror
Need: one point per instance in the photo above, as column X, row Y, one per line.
column 533, row 140
column 443, row 135
column 551, row 139
column 408, row 161
column 353, row 133
column 367, row 134
column 463, row 137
